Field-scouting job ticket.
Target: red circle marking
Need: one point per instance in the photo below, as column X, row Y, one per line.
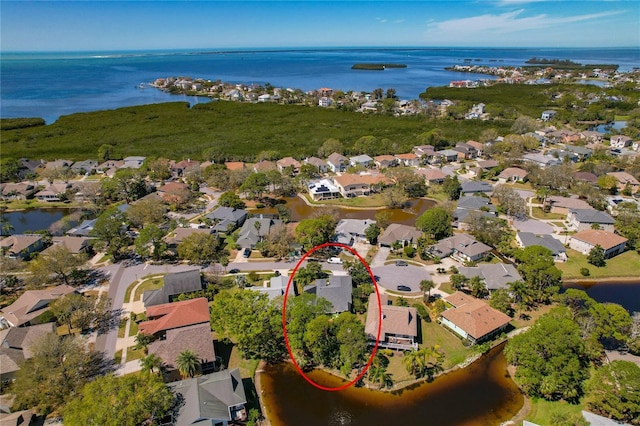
column 284, row 317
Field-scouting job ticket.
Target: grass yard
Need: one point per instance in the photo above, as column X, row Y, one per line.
column 530, row 317
column 626, row 264
column 133, row 354
column 117, row 357
column 435, row 334
column 542, row 410
column 538, row 213
column 121, row 329
column 133, row 329
column 447, row 288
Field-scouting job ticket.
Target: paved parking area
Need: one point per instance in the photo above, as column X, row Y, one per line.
column 390, row 276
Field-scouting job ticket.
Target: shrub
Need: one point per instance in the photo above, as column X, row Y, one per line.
column 585, row 272
column 410, row 251
column 253, row 276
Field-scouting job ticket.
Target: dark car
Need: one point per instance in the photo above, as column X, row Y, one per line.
column 401, row 263
column 403, row 288
column 246, row 252
column 234, row 271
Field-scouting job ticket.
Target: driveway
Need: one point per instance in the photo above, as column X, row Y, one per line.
column 390, row 276
column 532, row 225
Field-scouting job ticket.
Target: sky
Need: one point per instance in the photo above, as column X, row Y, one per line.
column 150, row 25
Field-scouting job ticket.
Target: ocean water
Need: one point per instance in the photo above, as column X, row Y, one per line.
column 49, row 85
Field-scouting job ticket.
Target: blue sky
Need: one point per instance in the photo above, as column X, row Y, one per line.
column 94, row 26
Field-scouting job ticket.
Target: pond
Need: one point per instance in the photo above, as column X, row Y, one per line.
column 612, row 127
column 301, row 210
column 481, row 394
column 37, row 219
column 625, row 294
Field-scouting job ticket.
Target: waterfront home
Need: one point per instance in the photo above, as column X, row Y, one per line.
column 361, row 160
column 215, row 399
column 351, row 185
column 399, row 234
column 384, row 161
column 432, row 176
column 21, row 245
column 625, row 180
column 494, row 275
column 513, row 174
column 15, row 348
column 473, row 319
column 591, row 136
column 174, row 285
column 291, row 162
column 336, row 289
column 583, row 219
column 227, row 219
column 276, row 287
column 350, row 231
column 54, row 192
column 337, row 162
column 476, row 187
column 323, row 189
column 255, row 230
column 177, row 327
column 399, row 328
column 471, row 203
column 528, row 239
column 30, row 305
column 319, row 164
column 109, row 167
column 82, row 230
column 461, row 247
column 620, row 141
column 585, row 241
column 409, row 159
column 17, row 191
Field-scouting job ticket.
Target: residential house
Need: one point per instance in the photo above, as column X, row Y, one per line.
column 29, row 167
column 625, row 180
column 255, row 230
column 181, row 168
column 75, row 245
column 19, row 418
column 513, row 174
column 494, row 275
column 82, row 230
column 325, row 102
column 264, row 166
column 445, row 156
column 432, row 176
column 349, row 231
column 323, row 189
column 109, row 167
column 177, row 327
column 548, row 115
column 361, row 160
column 235, row 165
column 214, row 399
column 319, row 164
column 384, row 161
column 178, row 235
column 476, row 187
column 15, row 348
column 488, row 164
column 399, row 329
column 17, row 191
column 336, row 289
column 468, row 150
column 409, row 159
column 399, row 234
column 562, row 205
column 528, row 239
column 541, row 160
column 582, row 152
column 563, row 155
column 337, row 163
column 291, row 162
column 21, row 245
column 133, row 162
column 473, row 319
column 620, row 141
column 425, row 152
column 592, row 136
column 28, row 307
column 227, row 219
column 276, row 288
column 585, row 241
column 264, row 98
column 472, row 203
column 58, row 165
column 462, row 247
column 479, row 147
column 54, row 192
column 174, row 192
column 175, row 284
column 351, row 185
column 586, row 177
column 583, row 219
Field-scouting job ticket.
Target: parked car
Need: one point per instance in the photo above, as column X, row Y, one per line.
column 403, row 288
column 246, row 252
column 335, row 260
column 234, row 271
column 401, row 263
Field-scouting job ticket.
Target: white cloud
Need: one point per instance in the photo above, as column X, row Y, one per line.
column 509, row 22
column 381, row 20
column 398, row 21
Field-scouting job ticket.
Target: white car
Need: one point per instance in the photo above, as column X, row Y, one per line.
column 335, row 260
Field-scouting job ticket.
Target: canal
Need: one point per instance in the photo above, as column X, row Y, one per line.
column 481, row 394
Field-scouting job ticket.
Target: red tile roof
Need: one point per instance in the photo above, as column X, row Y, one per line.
column 474, row 316
column 175, row 315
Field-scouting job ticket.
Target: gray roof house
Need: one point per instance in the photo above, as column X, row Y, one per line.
column 474, row 187
column 494, row 275
column 337, row 290
column 277, row 287
column 361, row 160
column 403, row 234
column 215, row 399
column 251, row 234
column 527, row 239
column 337, row 162
column 583, row 219
column 15, row 347
column 472, row 203
column 174, row 284
column 350, row 230
column 461, row 247
column 226, row 217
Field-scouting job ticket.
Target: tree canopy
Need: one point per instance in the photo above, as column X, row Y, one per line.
column 614, row 391
column 436, row 222
column 315, row 231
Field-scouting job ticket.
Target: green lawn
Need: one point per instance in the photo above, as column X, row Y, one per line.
column 150, row 279
column 542, row 410
column 625, row 265
column 538, row 213
column 150, row 284
column 117, row 357
column 121, row 329
column 133, row 329
column 447, row 288
column 435, row 334
column 133, row 354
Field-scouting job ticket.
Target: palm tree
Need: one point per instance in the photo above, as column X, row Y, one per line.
column 413, row 361
column 142, row 342
column 188, row 363
column 432, row 359
column 151, row 362
column 426, row 286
